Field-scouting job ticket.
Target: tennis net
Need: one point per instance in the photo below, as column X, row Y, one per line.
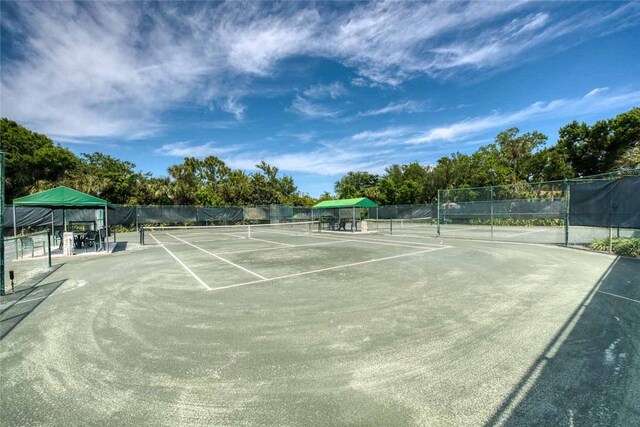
column 196, row 233
column 390, row 225
column 27, row 257
column 413, row 223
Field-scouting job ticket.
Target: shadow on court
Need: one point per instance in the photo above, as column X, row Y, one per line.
column 119, row 247
column 15, row 307
column 592, row 375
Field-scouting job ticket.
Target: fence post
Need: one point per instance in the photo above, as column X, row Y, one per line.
column 610, row 239
column 566, row 212
column 2, row 265
column 438, row 210
column 491, row 191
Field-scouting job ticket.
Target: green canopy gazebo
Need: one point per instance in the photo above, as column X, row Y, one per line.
column 63, row 198
column 341, row 205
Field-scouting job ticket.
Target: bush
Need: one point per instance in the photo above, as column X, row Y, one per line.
column 619, row 245
column 525, row 222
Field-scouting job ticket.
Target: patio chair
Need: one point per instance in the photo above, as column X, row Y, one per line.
column 27, row 243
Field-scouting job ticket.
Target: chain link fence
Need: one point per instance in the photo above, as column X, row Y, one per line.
column 572, row 212
column 30, row 219
column 558, row 212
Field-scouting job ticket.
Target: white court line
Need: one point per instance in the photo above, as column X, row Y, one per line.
column 275, row 248
column 194, row 275
column 526, row 232
column 304, row 273
column 271, row 241
column 218, row 257
column 401, row 243
column 415, row 236
column 235, row 235
column 457, row 229
column 602, row 292
column 413, row 245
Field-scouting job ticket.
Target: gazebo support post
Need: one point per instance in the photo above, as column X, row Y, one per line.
column 15, row 228
column 353, row 219
column 53, row 227
column 15, row 224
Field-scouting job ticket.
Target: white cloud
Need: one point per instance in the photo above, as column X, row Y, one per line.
column 305, row 108
column 105, row 69
column 185, row 149
column 299, row 136
column 597, row 91
column 396, row 107
column 383, row 134
column 596, row 101
column 323, row 161
column 333, row 91
column 374, row 150
column 233, row 106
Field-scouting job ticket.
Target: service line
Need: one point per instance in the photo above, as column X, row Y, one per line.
column 320, row 270
column 399, row 243
column 275, row 248
column 526, row 232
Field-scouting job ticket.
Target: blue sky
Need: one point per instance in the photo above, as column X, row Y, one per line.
column 316, row 89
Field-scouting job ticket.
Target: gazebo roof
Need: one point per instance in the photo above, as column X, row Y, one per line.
column 360, row 202
column 62, row 197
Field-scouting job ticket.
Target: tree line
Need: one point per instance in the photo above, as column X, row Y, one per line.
column 34, row 163
column 581, row 150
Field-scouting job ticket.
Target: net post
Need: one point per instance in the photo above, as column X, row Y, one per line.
column 438, row 211
column 566, row 212
column 491, row 191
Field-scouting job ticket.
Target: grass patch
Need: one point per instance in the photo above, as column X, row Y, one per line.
column 619, row 245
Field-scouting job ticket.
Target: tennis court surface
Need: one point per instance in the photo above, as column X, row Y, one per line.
column 287, row 326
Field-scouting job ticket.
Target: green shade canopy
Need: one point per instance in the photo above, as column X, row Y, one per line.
column 62, row 197
column 360, row 202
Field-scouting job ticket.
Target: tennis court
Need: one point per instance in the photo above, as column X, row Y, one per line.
column 283, row 325
column 427, row 227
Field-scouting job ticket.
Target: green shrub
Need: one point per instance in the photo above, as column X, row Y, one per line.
column 119, row 228
column 619, row 245
column 523, row 222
